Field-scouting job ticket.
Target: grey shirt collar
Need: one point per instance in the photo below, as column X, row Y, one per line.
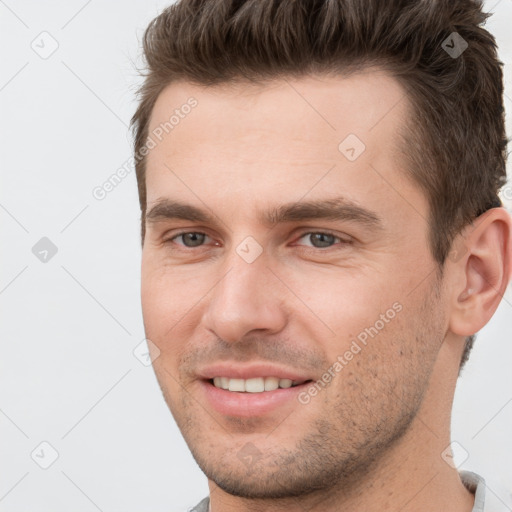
column 473, row 482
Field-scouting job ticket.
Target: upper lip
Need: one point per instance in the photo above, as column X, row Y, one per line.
column 235, row 370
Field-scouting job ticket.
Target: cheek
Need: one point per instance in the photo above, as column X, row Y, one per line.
column 162, row 308
column 158, row 306
column 167, row 295
column 348, row 301
column 171, row 308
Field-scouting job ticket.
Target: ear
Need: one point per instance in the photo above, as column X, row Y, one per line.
column 482, row 271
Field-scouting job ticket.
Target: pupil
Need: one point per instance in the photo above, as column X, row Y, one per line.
column 195, row 238
column 321, row 238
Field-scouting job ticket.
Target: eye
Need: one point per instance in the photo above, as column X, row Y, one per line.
column 322, row 240
column 317, row 239
column 190, row 239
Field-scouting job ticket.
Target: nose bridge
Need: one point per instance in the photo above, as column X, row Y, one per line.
column 243, row 300
column 241, row 278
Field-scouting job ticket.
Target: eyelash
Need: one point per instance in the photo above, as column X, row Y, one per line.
column 306, row 248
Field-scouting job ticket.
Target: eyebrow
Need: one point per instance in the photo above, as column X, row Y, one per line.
column 337, row 209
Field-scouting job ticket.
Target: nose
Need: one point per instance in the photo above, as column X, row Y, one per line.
column 247, row 298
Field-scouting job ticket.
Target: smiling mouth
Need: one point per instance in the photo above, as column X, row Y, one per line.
column 254, row 385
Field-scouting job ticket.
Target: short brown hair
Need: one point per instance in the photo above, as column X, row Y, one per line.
column 455, row 146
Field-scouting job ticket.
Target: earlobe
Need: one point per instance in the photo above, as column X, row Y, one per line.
column 482, row 273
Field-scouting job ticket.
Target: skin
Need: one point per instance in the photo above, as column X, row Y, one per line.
column 373, row 438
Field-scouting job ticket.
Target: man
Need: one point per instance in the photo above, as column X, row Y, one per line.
column 322, row 237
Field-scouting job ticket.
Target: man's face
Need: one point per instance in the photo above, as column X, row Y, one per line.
column 349, row 307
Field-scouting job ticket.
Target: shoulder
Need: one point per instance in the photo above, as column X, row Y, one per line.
column 490, row 496
column 202, row 506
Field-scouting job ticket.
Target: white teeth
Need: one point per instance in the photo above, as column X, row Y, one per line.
column 235, row 384
column 271, row 383
column 285, row 383
column 221, row 382
column 254, row 385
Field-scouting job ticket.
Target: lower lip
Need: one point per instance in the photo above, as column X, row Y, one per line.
column 245, row 405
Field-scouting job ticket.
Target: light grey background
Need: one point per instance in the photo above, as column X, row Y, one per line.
column 70, row 325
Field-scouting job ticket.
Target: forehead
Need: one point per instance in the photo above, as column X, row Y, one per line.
column 279, row 138
column 330, row 105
